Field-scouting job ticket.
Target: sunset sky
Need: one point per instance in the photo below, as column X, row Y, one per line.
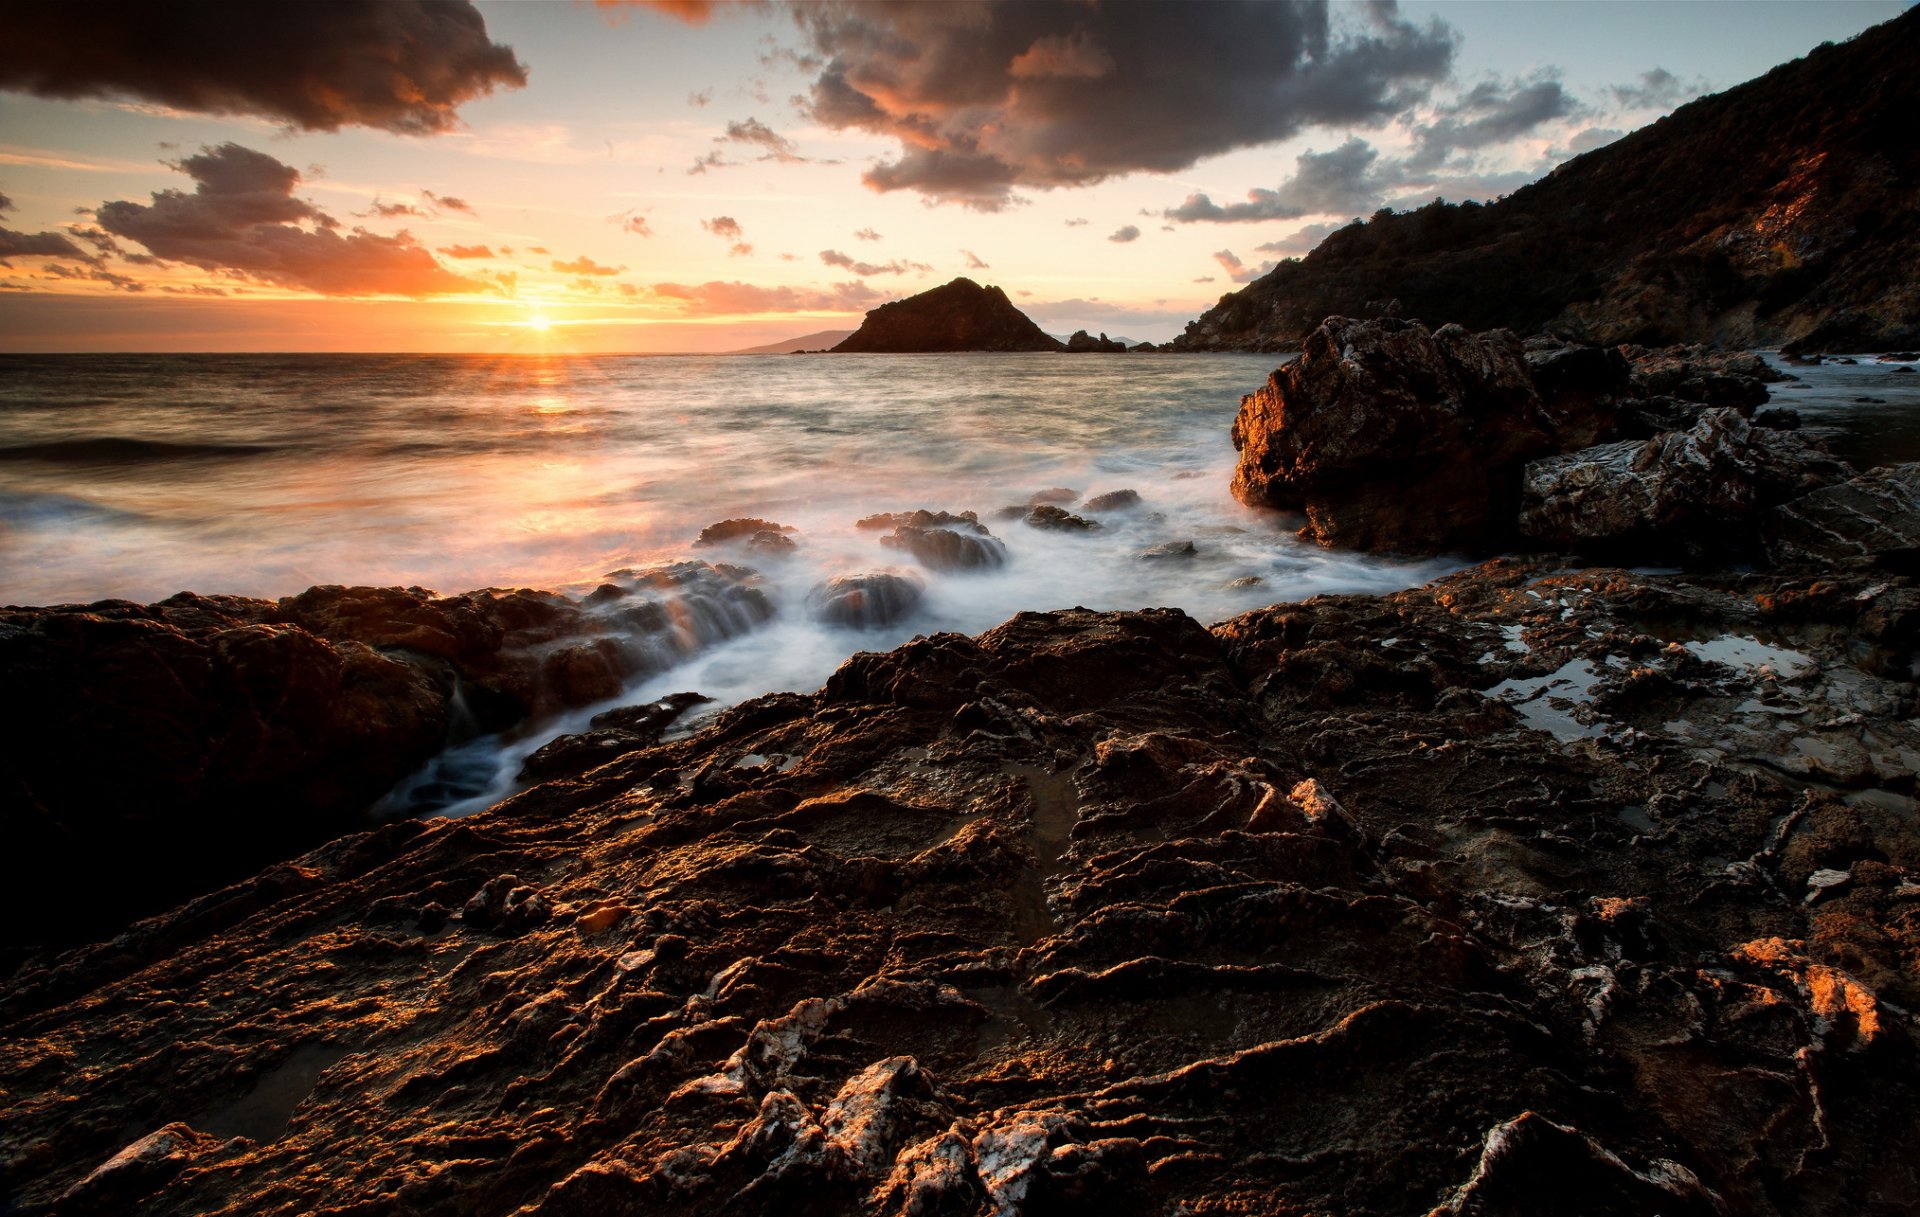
column 394, row 175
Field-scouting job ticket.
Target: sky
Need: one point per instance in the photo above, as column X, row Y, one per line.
column 685, row 176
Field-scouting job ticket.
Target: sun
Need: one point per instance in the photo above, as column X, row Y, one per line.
column 539, row 323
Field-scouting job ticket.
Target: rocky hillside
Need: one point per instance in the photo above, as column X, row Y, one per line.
column 1783, row 211
column 956, row 316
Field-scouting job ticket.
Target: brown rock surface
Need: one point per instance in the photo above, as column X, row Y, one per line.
column 1509, row 894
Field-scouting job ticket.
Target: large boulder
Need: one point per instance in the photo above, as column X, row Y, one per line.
column 1692, row 493
column 1873, row 518
column 1391, row 436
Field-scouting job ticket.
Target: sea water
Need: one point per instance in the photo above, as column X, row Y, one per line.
column 138, row 476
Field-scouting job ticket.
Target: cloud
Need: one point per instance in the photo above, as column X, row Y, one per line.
column 1589, row 138
column 36, row 244
column 988, row 97
column 242, row 218
column 632, row 221
column 1078, row 222
column 1492, row 112
column 753, row 133
column 698, row 101
column 390, row 211
column 833, row 257
column 1341, row 182
column 1305, row 241
column 866, row 234
column 396, row 65
column 1121, row 236
column 718, row 298
column 447, row 202
column 1657, row 89
column 465, row 251
column 973, row 260
column 1239, row 271
column 728, row 229
column 586, row 266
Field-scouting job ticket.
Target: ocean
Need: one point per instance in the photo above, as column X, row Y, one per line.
column 137, row 476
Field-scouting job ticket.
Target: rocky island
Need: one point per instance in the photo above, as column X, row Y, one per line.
column 1549, row 886
column 956, row 316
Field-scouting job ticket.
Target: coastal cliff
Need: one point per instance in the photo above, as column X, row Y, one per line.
column 957, row 316
column 1782, row 211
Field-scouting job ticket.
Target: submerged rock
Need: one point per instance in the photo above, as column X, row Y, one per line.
column 866, row 601
column 749, row 529
column 958, row 545
column 1058, row 519
column 1112, row 500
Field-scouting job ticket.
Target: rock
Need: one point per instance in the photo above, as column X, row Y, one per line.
column 1693, row 492
column 1903, row 371
column 1112, row 500
column 1083, row 343
column 1169, row 549
column 1485, row 895
column 1873, row 518
column 119, row 1184
column 745, row 528
column 615, row 733
column 967, row 546
column 1898, row 357
column 1052, row 494
column 1779, row 420
column 1391, row 437
column 958, row 316
column 865, row 601
column 1057, row 519
column 921, row 518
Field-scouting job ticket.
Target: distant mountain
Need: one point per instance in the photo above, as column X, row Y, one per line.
column 819, row 340
column 957, row 316
column 1786, row 210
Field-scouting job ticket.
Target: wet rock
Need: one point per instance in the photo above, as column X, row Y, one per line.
column 503, row 902
column 1084, row 343
column 865, row 601
column 1898, row 357
column 122, row 1182
column 745, row 528
column 1779, row 420
column 1057, row 519
column 943, row 542
column 1697, row 491
column 921, row 518
column 1169, row 549
column 1871, row 518
column 1112, row 500
column 1052, row 494
column 1389, row 436
column 1531, row 1164
column 615, row 733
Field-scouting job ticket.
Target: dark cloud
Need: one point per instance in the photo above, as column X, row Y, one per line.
column 36, row 244
column 390, row 211
column 1204, row 279
column 1125, row 234
column 95, row 274
column 991, row 96
column 1589, row 138
column 1657, row 89
column 833, row 257
column 866, row 234
column 1491, row 112
column 6, row 204
column 447, row 202
column 397, row 65
column 243, row 220
column 1341, row 182
column 586, row 266
column 697, row 101
column 973, row 260
column 728, row 229
column 465, row 251
column 719, row 298
column 753, row 133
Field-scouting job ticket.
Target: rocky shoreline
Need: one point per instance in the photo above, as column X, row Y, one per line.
column 1549, row 886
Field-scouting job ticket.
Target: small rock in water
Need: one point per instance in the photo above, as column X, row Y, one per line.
column 948, row 548
column 1052, row 494
column 1779, row 419
column 1822, row 881
column 865, row 601
column 921, row 518
column 1903, row 371
column 1048, row 516
column 1170, row 549
column 1246, row 581
column 1899, row 357
column 734, row 530
column 770, row 544
column 1113, row 500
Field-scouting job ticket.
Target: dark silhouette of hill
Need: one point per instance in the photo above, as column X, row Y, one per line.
column 956, row 316
column 1782, row 211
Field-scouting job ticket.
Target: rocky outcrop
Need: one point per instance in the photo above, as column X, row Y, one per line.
column 1388, row 436
column 157, row 751
column 957, row 316
column 1780, row 211
column 1698, row 493
column 1083, row 343
column 1872, row 519
column 866, row 601
column 1509, row 894
column 940, row 540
